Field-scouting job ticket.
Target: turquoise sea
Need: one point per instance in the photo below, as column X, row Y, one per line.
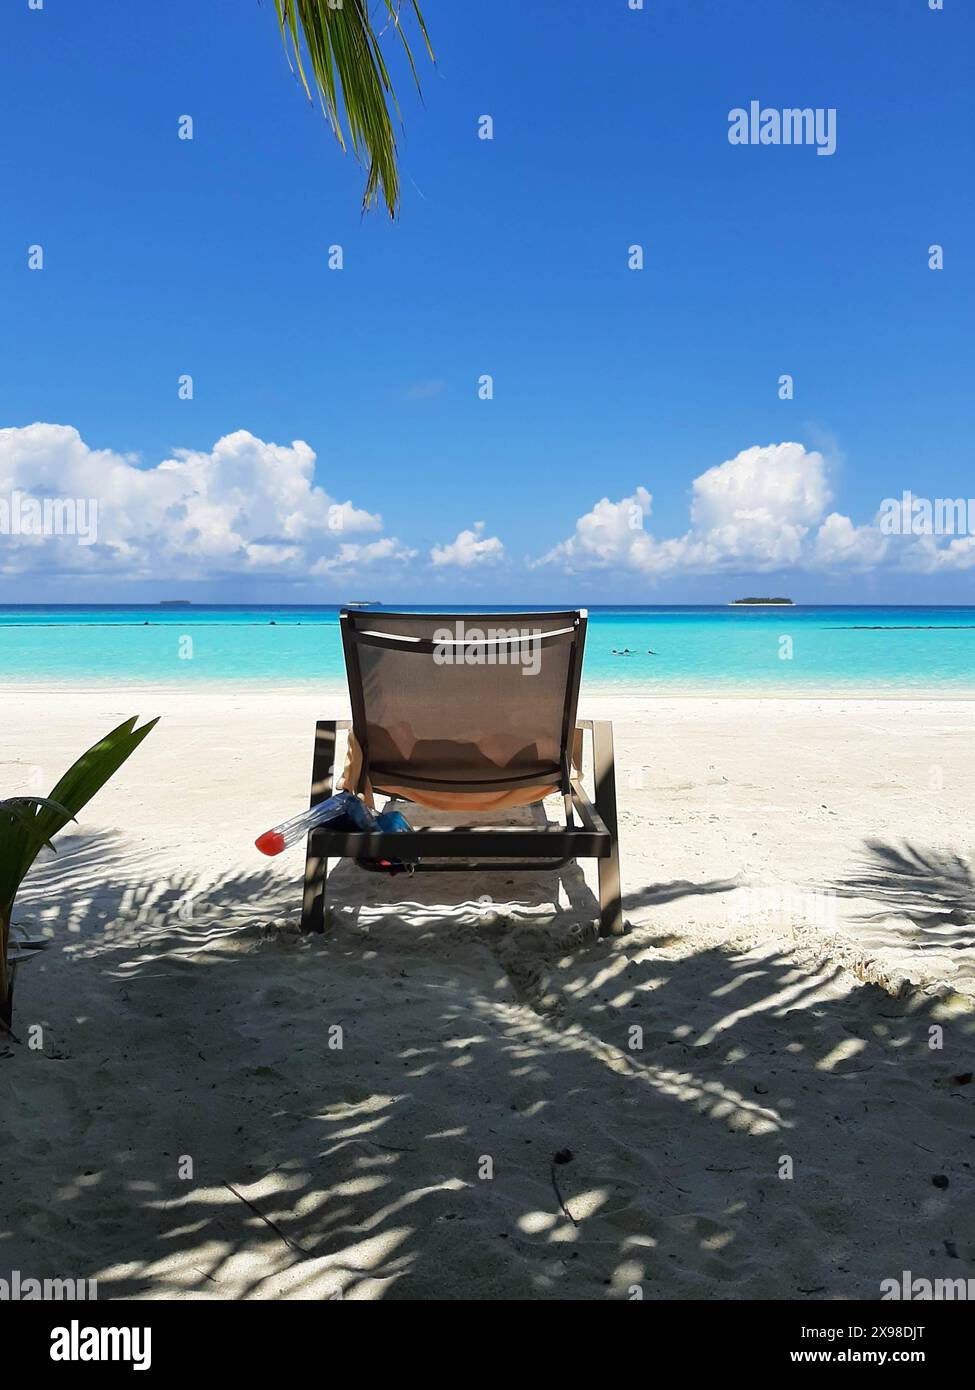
column 695, row 649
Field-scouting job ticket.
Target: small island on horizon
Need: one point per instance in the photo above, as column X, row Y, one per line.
column 753, row 602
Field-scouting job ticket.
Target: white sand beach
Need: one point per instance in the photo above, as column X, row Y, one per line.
column 799, row 887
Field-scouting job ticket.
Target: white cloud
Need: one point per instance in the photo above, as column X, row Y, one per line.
column 754, row 511
column 354, row 556
column 251, row 508
column 773, row 483
column 750, row 513
column 761, row 511
column 840, row 544
column 470, row 548
column 924, row 555
column 243, row 507
column 611, row 534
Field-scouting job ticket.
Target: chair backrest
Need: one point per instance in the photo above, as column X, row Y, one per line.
column 464, row 702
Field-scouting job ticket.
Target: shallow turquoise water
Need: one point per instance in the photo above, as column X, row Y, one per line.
column 792, row 650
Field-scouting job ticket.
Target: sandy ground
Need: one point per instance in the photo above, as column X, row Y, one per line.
column 749, row 1084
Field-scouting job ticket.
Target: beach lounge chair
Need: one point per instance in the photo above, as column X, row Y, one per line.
column 467, row 713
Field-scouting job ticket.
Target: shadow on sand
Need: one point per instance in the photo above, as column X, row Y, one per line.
column 224, row 1108
column 926, row 896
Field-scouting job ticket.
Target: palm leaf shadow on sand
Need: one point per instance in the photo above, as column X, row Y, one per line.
column 926, row 896
column 366, row 1159
column 655, row 894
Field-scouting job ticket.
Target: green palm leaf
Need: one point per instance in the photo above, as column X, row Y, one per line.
column 347, row 64
column 28, row 823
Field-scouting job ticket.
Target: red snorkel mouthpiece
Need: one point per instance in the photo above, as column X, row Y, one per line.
column 271, row 842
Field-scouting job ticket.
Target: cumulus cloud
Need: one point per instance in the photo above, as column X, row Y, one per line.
column 611, row 534
column 243, row 507
column 774, row 482
column 751, row 512
column 251, row 508
column 839, row 543
column 754, row 510
column 470, row 548
column 927, row 555
column 761, row 511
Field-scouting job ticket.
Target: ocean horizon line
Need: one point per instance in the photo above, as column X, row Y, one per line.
column 181, row 606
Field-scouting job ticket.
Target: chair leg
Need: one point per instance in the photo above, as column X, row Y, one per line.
column 610, row 903
column 604, row 767
column 313, row 905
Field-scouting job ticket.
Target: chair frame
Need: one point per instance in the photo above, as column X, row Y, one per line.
column 481, row 847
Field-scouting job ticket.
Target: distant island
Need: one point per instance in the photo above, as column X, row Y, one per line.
column 739, row 601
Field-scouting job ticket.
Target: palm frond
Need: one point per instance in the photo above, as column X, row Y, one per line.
column 348, row 69
column 19, row 810
column 28, row 823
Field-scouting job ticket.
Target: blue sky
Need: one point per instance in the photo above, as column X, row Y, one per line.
column 209, row 257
